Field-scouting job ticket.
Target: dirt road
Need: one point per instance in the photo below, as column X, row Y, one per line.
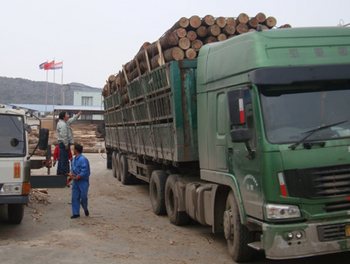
column 121, row 228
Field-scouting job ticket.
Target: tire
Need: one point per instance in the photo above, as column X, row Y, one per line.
column 114, row 169
column 125, row 176
column 237, row 235
column 156, row 191
column 117, row 166
column 15, row 213
column 172, row 203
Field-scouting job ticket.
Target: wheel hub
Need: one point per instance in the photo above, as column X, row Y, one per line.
column 228, row 225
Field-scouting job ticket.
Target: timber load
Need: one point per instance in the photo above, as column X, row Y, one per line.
column 183, row 41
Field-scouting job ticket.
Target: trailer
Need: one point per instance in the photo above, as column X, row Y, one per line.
column 252, row 139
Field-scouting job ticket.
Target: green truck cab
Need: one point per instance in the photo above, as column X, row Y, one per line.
column 255, row 141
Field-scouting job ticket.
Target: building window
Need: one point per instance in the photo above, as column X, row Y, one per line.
column 86, row 100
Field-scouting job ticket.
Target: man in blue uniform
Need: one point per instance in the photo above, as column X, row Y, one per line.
column 80, row 174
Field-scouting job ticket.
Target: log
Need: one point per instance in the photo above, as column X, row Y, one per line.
column 174, row 53
column 241, row 28
column 242, row 18
column 260, row 17
column 253, row 22
column 184, row 43
column 182, row 23
column 229, row 30
column 222, row 37
column 125, row 99
column 152, row 49
column 180, row 32
column 169, row 40
column 196, row 44
column 195, row 22
column 191, row 53
column 111, row 78
column 285, row 26
column 191, row 35
column 270, row 22
column 208, row 20
column 155, row 61
column 231, row 21
column 221, row 22
column 210, row 40
column 214, row 30
column 202, row 31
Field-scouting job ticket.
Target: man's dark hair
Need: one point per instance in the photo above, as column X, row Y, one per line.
column 78, row 148
column 62, row 115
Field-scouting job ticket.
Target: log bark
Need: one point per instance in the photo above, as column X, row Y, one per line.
column 174, row 53
column 241, row 28
column 260, row 17
column 184, row 43
column 191, row 35
column 195, row 22
column 229, row 30
column 155, row 61
column 202, row 31
column 196, row 44
column 285, row 26
column 208, row 20
column 169, row 40
column 270, row 22
column 191, row 53
column 242, row 18
column 180, row 32
column 214, row 30
column 222, row 37
column 231, row 21
column 221, row 22
column 111, row 78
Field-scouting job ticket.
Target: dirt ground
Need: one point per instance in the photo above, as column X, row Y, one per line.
column 121, row 228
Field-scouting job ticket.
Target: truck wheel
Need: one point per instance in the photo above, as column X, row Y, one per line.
column 172, row 203
column 15, row 213
column 117, row 165
column 125, row 176
column 156, row 191
column 114, row 169
column 237, row 235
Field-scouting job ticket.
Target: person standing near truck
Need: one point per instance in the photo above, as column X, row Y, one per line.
column 80, row 173
column 65, row 139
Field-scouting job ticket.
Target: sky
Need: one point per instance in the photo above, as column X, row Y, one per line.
column 95, row 38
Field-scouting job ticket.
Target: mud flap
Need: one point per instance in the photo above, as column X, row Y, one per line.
column 48, row 181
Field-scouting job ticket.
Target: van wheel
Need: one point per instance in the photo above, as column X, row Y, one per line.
column 125, row 176
column 156, row 191
column 236, row 234
column 15, row 213
column 172, row 202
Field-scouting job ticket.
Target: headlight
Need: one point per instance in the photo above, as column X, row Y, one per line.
column 279, row 211
column 11, row 189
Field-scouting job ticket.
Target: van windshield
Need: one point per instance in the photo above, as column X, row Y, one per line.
column 290, row 112
column 11, row 136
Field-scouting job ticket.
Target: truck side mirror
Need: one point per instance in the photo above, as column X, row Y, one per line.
column 237, row 99
column 43, row 138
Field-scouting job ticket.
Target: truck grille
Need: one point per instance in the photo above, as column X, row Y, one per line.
column 331, row 232
column 321, row 182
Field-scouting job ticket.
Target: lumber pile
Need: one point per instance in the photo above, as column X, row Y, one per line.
column 183, row 41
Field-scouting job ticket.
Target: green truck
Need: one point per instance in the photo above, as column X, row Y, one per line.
column 252, row 139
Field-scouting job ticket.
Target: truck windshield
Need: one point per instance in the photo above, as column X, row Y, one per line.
column 290, row 112
column 11, row 135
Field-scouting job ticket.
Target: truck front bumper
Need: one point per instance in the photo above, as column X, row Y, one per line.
column 14, row 199
column 306, row 239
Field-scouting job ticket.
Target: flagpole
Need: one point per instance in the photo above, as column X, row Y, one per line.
column 47, row 74
column 53, row 91
column 63, row 100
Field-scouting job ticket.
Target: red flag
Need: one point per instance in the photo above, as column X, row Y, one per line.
column 47, row 66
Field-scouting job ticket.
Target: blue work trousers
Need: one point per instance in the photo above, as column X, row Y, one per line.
column 79, row 196
column 63, row 163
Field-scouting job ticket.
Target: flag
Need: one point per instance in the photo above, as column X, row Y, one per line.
column 57, row 66
column 48, row 65
column 42, row 65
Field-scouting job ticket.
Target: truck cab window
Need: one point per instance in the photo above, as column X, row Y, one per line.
column 289, row 111
column 11, row 128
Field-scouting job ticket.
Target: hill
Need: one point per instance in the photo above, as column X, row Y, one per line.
column 23, row 91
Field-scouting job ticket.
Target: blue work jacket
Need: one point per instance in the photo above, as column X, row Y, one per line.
column 81, row 166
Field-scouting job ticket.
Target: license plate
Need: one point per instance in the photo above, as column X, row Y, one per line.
column 347, row 230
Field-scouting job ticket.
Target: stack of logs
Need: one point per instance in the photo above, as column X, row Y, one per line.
column 183, row 41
